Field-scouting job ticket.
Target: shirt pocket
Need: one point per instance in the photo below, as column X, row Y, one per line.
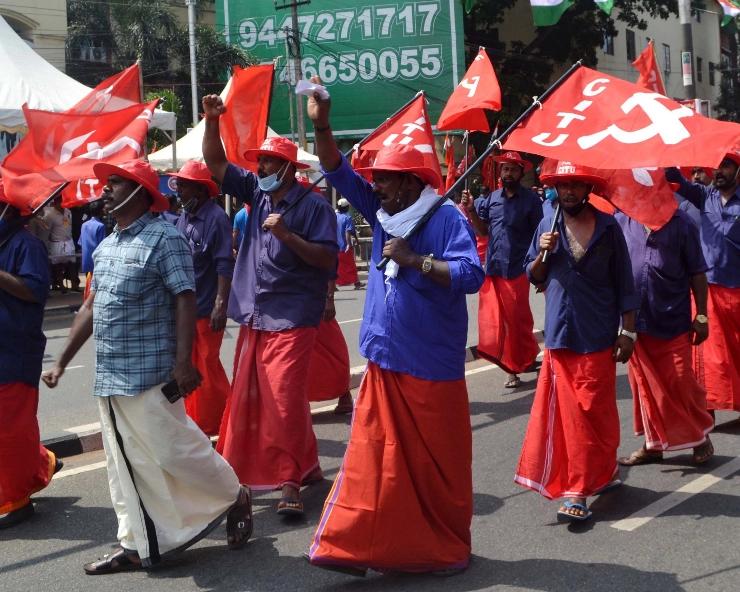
column 596, row 265
column 281, row 255
column 132, row 278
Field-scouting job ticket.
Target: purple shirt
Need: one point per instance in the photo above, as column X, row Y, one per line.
column 23, row 341
column 585, row 300
column 720, row 229
column 511, row 223
column 344, row 224
column 273, row 288
column 170, row 217
column 413, row 324
column 208, row 232
column 662, row 265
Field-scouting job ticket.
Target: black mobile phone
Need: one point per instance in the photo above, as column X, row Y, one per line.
column 172, row 391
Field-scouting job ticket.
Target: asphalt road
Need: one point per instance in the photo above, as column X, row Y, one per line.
column 518, row 543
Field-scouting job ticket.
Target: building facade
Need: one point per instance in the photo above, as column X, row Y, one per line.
column 40, row 23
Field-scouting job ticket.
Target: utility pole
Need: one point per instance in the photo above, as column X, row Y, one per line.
column 687, row 53
column 288, row 81
column 296, row 42
column 193, row 72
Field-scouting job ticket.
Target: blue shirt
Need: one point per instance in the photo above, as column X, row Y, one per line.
column 511, row 223
column 413, row 324
column 584, row 300
column 22, row 341
column 720, row 228
column 240, row 223
column 92, row 234
column 139, row 270
column 273, row 288
column 344, row 224
column 169, row 217
column 208, row 232
column 663, row 263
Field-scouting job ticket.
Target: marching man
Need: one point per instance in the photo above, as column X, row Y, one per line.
column 508, row 217
column 570, row 448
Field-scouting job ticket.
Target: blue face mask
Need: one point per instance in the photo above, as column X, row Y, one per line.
column 551, row 195
column 271, row 182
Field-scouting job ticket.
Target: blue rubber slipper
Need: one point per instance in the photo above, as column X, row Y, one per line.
column 568, row 505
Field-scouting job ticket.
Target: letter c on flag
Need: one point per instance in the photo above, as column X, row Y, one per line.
column 590, row 91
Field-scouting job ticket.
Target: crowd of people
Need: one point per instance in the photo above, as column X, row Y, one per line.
column 161, row 290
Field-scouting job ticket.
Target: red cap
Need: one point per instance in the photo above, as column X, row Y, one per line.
column 139, row 171
column 403, row 159
column 279, row 147
column 566, row 171
column 686, row 171
column 734, row 155
column 515, row 158
column 198, row 172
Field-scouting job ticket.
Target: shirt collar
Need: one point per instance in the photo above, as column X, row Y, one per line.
column 291, row 195
column 137, row 226
column 603, row 221
column 203, row 210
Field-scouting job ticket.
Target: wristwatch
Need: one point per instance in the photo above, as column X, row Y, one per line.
column 702, row 319
column 426, row 265
column 632, row 336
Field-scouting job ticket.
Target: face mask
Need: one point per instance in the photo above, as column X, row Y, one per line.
column 551, row 195
column 125, row 201
column 575, row 210
column 271, row 182
column 191, row 205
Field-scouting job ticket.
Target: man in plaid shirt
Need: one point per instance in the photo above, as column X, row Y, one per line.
column 168, row 486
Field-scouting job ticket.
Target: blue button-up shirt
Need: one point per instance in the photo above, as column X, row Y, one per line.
column 208, row 231
column 413, row 324
column 344, row 224
column 22, row 341
column 720, row 229
column 663, row 263
column 273, row 288
column 92, row 234
column 139, row 270
column 585, row 299
column 511, row 223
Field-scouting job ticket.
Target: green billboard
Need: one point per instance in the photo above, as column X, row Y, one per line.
column 372, row 57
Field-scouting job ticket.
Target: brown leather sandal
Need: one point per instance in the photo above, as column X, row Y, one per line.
column 640, row 457
column 119, row 560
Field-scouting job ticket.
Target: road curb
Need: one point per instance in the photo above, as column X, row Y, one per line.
column 56, row 311
column 74, row 441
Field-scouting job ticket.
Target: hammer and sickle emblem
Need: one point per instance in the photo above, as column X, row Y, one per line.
column 665, row 123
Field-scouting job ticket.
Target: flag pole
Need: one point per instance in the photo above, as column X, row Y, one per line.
column 491, row 146
column 553, row 228
column 467, row 153
column 347, row 154
column 24, row 220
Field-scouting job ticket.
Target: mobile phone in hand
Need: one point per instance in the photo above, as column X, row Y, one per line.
column 171, row 391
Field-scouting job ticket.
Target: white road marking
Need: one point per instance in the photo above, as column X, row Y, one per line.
column 671, row 500
column 78, row 470
column 88, row 427
column 349, row 321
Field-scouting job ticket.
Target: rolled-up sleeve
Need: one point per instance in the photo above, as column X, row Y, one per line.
column 461, row 254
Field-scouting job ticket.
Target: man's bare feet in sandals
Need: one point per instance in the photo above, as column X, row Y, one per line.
column 643, row 456
column 704, row 452
column 291, row 504
column 512, row 381
column 344, row 404
column 575, row 508
column 239, row 521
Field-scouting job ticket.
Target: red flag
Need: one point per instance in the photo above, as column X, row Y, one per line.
column 114, row 93
column 641, row 193
column 598, row 120
column 244, row 125
column 489, row 173
column 64, row 147
column 450, row 162
column 477, row 91
column 412, row 127
column 649, row 69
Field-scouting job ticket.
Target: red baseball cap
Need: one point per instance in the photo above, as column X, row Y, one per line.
column 198, row 172
column 403, row 159
column 279, row 147
column 139, row 171
column 566, row 171
column 515, row 158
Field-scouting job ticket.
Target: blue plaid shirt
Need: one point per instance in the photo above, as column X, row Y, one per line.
column 138, row 272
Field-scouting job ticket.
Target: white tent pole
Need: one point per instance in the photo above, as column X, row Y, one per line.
column 193, row 72
column 174, row 147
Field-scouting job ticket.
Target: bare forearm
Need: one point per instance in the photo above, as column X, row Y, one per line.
column 223, row 290
column 213, row 150
column 82, row 328
column 326, row 148
column 312, row 254
column 538, row 270
column 15, row 286
column 440, row 271
column 700, row 289
column 185, row 326
column 480, row 227
column 628, row 321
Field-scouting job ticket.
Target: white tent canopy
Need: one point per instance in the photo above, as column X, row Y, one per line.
column 191, row 148
column 26, row 77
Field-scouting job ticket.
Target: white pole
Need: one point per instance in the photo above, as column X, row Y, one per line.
column 193, row 73
column 174, row 147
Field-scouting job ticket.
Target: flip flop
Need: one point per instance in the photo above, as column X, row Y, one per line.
column 344, row 569
column 569, row 505
column 708, row 444
column 241, row 523
column 639, row 457
column 513, row 383
column 285, row 510
column 122, row 559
